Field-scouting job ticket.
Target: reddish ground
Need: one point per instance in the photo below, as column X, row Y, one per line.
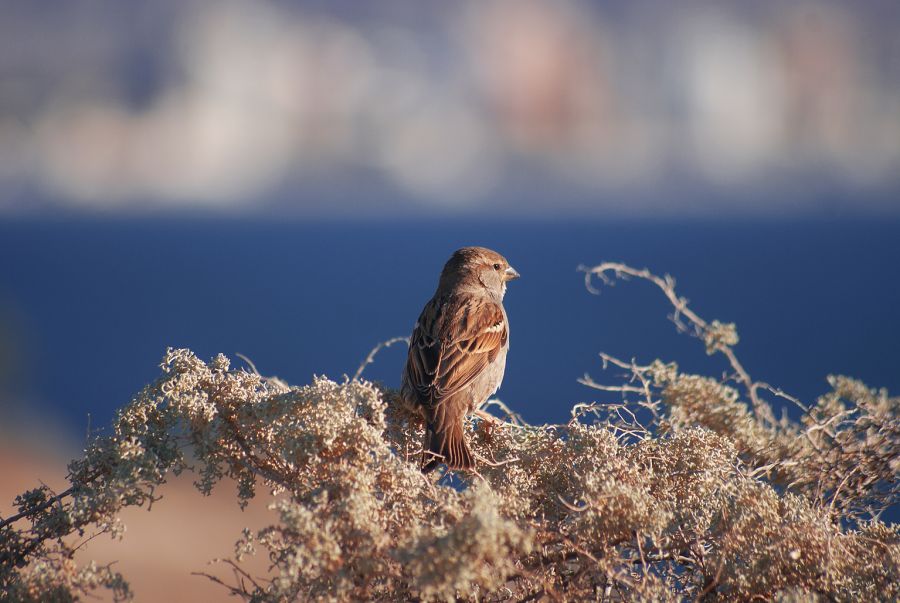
column 182, row 533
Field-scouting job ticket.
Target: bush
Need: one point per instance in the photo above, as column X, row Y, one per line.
column 683, row 487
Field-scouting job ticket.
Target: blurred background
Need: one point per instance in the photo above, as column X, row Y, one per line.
column 333, row 109
column 286, row 179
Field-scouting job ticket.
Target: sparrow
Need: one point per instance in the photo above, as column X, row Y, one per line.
column 457, row 352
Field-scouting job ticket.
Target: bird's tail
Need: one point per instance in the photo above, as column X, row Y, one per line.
column 447, row 446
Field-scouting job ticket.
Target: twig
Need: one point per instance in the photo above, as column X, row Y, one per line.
column 37, row 509
column 374, row 352
column 233, row 590
column 637, row 539
column 491, row 463
column 711, row 584
column 589, row 382
column 572, row 507
column 249, row 363
column 608, row 271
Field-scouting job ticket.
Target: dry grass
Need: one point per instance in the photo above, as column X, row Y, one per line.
column 681, row 487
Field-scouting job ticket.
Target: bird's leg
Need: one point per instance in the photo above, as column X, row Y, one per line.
column 486, row 416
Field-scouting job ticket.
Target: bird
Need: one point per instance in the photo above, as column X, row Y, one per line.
column 457, row 352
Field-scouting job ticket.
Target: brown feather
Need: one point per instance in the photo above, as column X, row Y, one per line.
column 446, row 443
column 445, row 355
column 455, row 350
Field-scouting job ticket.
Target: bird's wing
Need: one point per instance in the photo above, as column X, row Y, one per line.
column 454, row 340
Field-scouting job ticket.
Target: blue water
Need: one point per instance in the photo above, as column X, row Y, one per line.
column 87, row 307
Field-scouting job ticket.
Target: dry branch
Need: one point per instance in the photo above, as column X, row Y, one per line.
column 674, row 490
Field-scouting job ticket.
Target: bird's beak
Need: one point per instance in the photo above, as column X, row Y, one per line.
column 510, row 274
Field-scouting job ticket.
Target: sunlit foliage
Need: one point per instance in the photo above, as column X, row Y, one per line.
column 672, row 486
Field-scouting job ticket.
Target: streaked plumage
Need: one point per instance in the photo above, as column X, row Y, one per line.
column 457, row 352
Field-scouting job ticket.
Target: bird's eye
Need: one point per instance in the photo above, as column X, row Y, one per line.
column 496, row 266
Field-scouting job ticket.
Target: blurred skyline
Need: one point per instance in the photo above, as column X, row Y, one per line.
column 341, row 109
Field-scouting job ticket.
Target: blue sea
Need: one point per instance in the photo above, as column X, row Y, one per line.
column 88, row 306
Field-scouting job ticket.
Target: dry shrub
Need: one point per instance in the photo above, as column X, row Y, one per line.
column 677, row 486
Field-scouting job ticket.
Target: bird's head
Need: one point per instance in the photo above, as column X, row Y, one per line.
column 477, row 267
